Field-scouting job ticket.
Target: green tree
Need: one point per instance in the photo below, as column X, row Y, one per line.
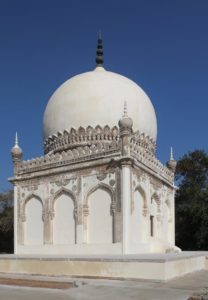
column 192, row 201
column 6, row 222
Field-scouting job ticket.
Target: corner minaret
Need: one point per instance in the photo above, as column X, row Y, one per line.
column 16, row 153
column 99, row 52
column 125, row 127
column 172, row 163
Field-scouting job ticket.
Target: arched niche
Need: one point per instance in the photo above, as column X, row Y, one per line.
column 154, row 224
column 138, row 216
column 155, row 202
column 33, row 208
column 64, row 219
column 100, row 218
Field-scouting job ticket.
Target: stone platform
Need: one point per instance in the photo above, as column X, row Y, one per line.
column 157, row 267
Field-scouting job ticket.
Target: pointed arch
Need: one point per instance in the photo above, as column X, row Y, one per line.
column 100, row 201
column 64, row 220
column 138, row 218
column 33, row 209
column 156, row 198
column 140, row 189
column 63, row 191
column 29, row 197
column 102, row 186
column 155, row 215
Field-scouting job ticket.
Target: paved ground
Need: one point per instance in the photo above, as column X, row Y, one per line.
column 178, row 289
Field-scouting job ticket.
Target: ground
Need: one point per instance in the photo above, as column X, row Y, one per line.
column 98, row 289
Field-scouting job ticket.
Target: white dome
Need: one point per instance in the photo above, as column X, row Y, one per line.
column 97, row 98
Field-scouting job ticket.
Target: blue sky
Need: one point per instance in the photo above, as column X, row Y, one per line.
column 161, row 45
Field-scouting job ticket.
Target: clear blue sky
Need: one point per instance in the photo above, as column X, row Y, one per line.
column 161, row 45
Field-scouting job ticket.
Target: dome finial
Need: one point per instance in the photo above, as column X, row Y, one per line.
column 171, row 153
column 99, row 52
column 172, row 163
column 16, row 150
column 16, row 140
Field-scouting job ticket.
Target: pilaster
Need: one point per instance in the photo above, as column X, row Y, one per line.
column 125, row 202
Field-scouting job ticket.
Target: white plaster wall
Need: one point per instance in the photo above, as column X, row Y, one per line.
column 71, row 249
column 100, row 223
column 63, row 223
column 34, row 222
column 172, row 229
column 165, row 224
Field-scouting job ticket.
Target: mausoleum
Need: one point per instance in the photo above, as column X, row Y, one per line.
column 98, row 188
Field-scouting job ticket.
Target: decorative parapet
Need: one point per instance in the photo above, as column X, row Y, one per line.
column 143, row 156
column 87, row 144
column 144, row 141
column 79, row 154
column 79, row 138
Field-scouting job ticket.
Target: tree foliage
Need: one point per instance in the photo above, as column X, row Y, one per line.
column 6, row 222
column 192, row 201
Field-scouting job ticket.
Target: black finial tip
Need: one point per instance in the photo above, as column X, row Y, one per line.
column 99, row 52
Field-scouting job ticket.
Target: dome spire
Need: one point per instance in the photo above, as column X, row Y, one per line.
column 99, row 52
column 171, row 153
column 16, row 140
column 16, row 151
column 172, row 163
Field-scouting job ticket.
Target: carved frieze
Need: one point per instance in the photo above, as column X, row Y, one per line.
column 62, row 182
column 83, row 137
column 32, row 188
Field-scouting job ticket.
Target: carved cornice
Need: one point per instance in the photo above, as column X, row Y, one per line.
column 82, row 137
column 144, row 141
column 80, row 154
column 150, row 161
column 78, row 146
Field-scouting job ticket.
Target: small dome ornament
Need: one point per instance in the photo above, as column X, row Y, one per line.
column 99, row 52
column 125, row 123
column 16, row 151
column 172, row 163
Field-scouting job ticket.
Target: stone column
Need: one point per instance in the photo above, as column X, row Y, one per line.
column 125, row 127
column 113, row 213
column 48, row 227
column 125, row 202
column 85, row 216
column 79, row 212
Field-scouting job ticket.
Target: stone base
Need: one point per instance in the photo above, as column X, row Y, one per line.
column 159, row 267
